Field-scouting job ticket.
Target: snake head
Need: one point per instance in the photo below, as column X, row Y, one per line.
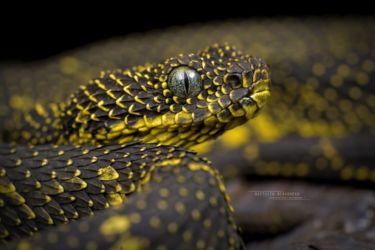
column 181, row 101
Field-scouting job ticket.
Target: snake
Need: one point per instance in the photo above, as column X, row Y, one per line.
column 115, row 156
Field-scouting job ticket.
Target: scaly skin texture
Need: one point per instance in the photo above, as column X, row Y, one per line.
column 322, row 73
column 137, row 114
column 173, row 199
column 318, row 125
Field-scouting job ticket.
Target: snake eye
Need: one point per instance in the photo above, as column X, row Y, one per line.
column 184, row 82
column 235, row 80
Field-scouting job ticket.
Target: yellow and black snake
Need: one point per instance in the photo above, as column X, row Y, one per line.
column 120, row 140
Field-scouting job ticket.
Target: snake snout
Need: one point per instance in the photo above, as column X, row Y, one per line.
column 260, row 89
column 261, row 92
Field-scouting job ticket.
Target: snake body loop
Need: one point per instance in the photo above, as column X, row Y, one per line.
column 118, row 148
column 145, row 123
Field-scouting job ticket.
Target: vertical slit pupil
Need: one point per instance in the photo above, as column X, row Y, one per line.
column 186, row 82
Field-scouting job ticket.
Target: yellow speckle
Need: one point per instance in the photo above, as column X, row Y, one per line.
column 21, row 102
column 91, row 245
column 76, row 180
column 362, row 173
column 180, row 207
column 69, row 65
column 108, row 173
column 196, row 214
column 362, row 78
column 195, row 166
column 199, row 195
column 18, row 162
column 170, row 162
column 116, row 224
column 132, row 243
column 347, row 173
column 336, row 80
column 302, row 169
column 40, row 110
column 116, row 199
column 90, row 203
column 141, row 204
column 337, row 163
column 135, row 218
column 319, row 69
column 28, row 211
column 343, row 70
column 221, row 233
column 155, row 222
column 207, row 223
column 181, row 179
column 200, row 244
column 213, row 201
column 24, row 245
column 183, row 191
column 187, row 235
column 162, row 204
column 164, row 192
column 172, row 228
column 77, row 172
column 7, row 188
column 272, row 168
column 232, row 241
column 85, row 151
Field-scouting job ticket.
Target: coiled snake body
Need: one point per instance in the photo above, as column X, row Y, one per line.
column 120, row 138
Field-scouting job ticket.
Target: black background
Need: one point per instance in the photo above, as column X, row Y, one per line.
column 36, row 32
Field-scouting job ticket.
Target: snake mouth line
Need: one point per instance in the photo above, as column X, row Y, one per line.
column 261, row 97
column 258, row 96
column 261, row 92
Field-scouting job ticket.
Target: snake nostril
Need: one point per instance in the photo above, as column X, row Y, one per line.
column 235, row 80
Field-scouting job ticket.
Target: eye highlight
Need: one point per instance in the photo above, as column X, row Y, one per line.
column 184, row 82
